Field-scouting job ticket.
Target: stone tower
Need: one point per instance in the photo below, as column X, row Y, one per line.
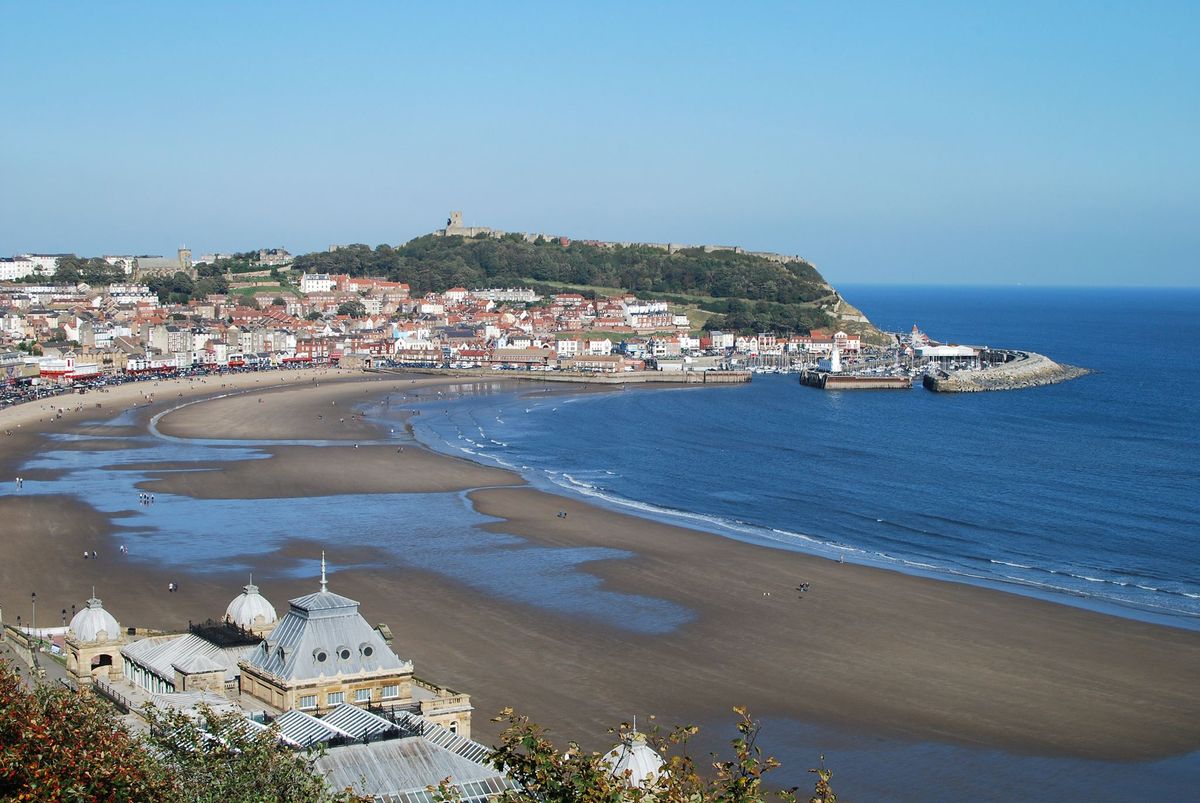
column 455, row 221
column 185, row 259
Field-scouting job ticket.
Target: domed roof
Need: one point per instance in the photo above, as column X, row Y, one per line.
column 251, row 609
column 642, row 761
column 94, row 623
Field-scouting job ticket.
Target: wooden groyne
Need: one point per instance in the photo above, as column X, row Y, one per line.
column 828, row 381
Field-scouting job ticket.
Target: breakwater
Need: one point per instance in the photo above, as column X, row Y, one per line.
column 1020, row 369
column 828, row 381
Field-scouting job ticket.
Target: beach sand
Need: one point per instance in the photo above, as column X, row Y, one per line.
column 865, row 648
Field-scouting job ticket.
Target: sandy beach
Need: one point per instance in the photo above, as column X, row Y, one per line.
column 865, row 648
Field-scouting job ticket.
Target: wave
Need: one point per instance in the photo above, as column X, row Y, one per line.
column 1007, row 563
column 951, row 544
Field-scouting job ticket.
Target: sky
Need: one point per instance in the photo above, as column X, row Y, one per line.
column 915, row 143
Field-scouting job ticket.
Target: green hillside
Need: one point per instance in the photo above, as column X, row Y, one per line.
column 739, row 291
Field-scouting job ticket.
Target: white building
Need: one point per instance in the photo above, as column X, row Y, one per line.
column 125, row 263
column 520, row 295
column 316, row 283
column 599, row 348
column 18, row 267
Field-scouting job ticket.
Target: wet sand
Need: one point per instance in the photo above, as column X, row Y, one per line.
column 867, row 648
column 295, row 471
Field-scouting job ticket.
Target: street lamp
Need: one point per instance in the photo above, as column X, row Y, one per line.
column 33, row 621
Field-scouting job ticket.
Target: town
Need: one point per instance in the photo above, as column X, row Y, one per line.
column 52, row 332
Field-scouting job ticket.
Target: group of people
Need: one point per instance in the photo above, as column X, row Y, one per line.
column 20, row 482
column 145, row 499
column 172, row 587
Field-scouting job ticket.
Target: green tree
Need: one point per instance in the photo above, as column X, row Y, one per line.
column 355, row 309
column 313, row 316
column 278, row 301
column 221, row 758
column 58, row 745
column 543, row 774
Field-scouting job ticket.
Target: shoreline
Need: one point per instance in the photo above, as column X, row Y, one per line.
column 759, row 536
column 878, row 650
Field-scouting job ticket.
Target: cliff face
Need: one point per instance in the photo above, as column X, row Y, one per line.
column 1027, row 370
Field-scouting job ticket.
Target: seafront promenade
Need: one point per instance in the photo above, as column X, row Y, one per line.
column 624, row 378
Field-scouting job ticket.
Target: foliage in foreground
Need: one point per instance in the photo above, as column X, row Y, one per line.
column 56, row 744
column 220, row 758
column 544, row 775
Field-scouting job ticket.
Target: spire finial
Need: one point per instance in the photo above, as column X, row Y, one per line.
column 324, row 582
column 635, row 723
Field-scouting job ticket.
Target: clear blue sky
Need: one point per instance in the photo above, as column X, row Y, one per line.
column 925, row 142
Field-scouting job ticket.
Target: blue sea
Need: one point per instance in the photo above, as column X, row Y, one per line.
column 1086, row 492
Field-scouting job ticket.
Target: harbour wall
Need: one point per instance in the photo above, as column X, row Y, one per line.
column 1024, row 369
column 623, row 378
column 827, row 381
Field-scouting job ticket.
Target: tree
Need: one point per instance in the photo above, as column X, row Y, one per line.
column 355, row 309
column 58, row 745
column 278, row 301
column 220, row 758
column 542, row 773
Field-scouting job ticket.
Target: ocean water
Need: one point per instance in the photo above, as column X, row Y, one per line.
column 1087, row 492
column 433, row 532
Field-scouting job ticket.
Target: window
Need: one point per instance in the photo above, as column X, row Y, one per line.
column 344, row 654
column 362, row 696
column 454, row 726
column 308, row 701
column 336, row 697
column 391, row 691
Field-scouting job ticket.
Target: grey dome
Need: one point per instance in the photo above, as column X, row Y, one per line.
column 251, row 609
column 94, row 623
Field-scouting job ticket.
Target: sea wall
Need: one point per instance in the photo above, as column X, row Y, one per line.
column 1024, row 369
column 827, row 381
column 622, row 378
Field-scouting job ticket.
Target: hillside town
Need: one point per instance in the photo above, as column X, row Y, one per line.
column 53, row 332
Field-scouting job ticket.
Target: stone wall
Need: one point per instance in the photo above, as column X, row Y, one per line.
column 1025, row 370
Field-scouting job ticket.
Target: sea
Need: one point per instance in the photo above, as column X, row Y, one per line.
column 1084, row 493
